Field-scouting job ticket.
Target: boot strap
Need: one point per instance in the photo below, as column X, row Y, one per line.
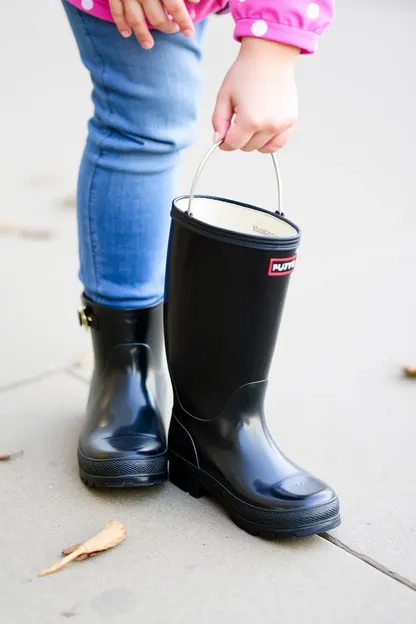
column 87, row 318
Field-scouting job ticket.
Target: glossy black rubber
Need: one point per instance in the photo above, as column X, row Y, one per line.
column 222, row 315
column 123, row 442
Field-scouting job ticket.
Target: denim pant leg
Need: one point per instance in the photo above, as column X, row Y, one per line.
column 144, row 115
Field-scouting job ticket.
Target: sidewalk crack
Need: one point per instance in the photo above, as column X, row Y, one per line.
column 369, row 561
column 73, row 373
column 30, row 380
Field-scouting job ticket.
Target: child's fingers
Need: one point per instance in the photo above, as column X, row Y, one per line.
column 270, row 133
column 119, row 16
column 258, row 140
column 222, row 116
column 277, row 142
column 136, row 18
column 179, row 12
column 157, row 16
column 240, row 133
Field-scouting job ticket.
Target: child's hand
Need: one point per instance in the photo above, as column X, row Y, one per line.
column 260, row 91
column 130, row 15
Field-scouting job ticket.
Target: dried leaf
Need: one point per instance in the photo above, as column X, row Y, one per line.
column 88, row 556
column 85, row 360
column 24, row 231
column 5, row 456
column 11, row 455
column 7, row 228
column 112, row 534
column 69, row 201
column 68, row 551
column 82, row 557
column 409, row 371
column 68, row 614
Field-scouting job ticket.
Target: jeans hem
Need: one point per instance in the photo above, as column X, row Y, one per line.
column 125, row 304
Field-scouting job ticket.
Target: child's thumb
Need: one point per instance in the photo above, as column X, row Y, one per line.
column 222, row 116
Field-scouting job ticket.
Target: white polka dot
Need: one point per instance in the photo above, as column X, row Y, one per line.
column 259, row 28
column 192, row 14
column 313, row 11
column 241, row 0
column 87, row 4
column 170, row 17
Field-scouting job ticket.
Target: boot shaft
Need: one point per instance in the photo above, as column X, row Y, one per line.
column 113, row 327
column 225, row 294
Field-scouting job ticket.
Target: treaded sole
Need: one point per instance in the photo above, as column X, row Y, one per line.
column 123, row 472
column 300, row 523
column 129, row 481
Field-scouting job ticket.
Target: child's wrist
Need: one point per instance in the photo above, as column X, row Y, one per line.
column 263, row 48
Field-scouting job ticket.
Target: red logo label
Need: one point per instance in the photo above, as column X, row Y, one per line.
column 282, row 266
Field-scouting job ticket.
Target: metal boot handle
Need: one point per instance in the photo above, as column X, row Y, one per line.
column 204, row 162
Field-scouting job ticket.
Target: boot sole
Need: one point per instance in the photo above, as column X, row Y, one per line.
column 254, row 520
column 123, row 473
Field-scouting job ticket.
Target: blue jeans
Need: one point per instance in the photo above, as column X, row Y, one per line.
column 145, row 108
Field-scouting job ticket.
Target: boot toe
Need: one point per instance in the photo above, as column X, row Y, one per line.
column 305, row 489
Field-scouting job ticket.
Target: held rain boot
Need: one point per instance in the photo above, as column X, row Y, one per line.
column 228, row 272
column 123, row 442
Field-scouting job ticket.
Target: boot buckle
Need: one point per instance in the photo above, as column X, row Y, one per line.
column 84, row 320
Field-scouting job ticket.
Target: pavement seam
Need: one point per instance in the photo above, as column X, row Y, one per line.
column 72, row 373
column 369, row 561
column 31, row 380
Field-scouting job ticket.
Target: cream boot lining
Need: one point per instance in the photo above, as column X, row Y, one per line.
column 235, row 218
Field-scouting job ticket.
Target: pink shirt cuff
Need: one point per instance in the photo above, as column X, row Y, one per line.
column 306, row 40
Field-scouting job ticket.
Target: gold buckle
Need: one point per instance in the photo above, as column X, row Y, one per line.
column 84, row 319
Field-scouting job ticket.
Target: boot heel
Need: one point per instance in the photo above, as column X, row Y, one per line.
column 184, row 478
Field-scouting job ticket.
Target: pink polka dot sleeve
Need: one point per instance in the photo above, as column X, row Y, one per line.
column 295, row 22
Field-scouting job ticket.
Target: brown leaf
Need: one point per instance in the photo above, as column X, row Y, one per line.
column 85, row 360
column 11, row 455
column 7, row 228
column 112, row 534
column 68, row 614
column 82, row 557
column 70, row 549
column 24, row 231
column 409, row 371
column 69, row 201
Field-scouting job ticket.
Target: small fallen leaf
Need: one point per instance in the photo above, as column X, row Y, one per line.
column 11, row 455
column 112, row 534
column 7, row 228
column 69, row 201
column 24, row 231
column 409, row 371
column 71, row 549
column 85, row 361
column 68, row 614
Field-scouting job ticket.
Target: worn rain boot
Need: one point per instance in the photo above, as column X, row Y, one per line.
column 123, row 442
column 228, row 272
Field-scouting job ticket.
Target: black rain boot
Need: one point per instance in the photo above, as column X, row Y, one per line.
column 123, row 442
column 228, row 272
